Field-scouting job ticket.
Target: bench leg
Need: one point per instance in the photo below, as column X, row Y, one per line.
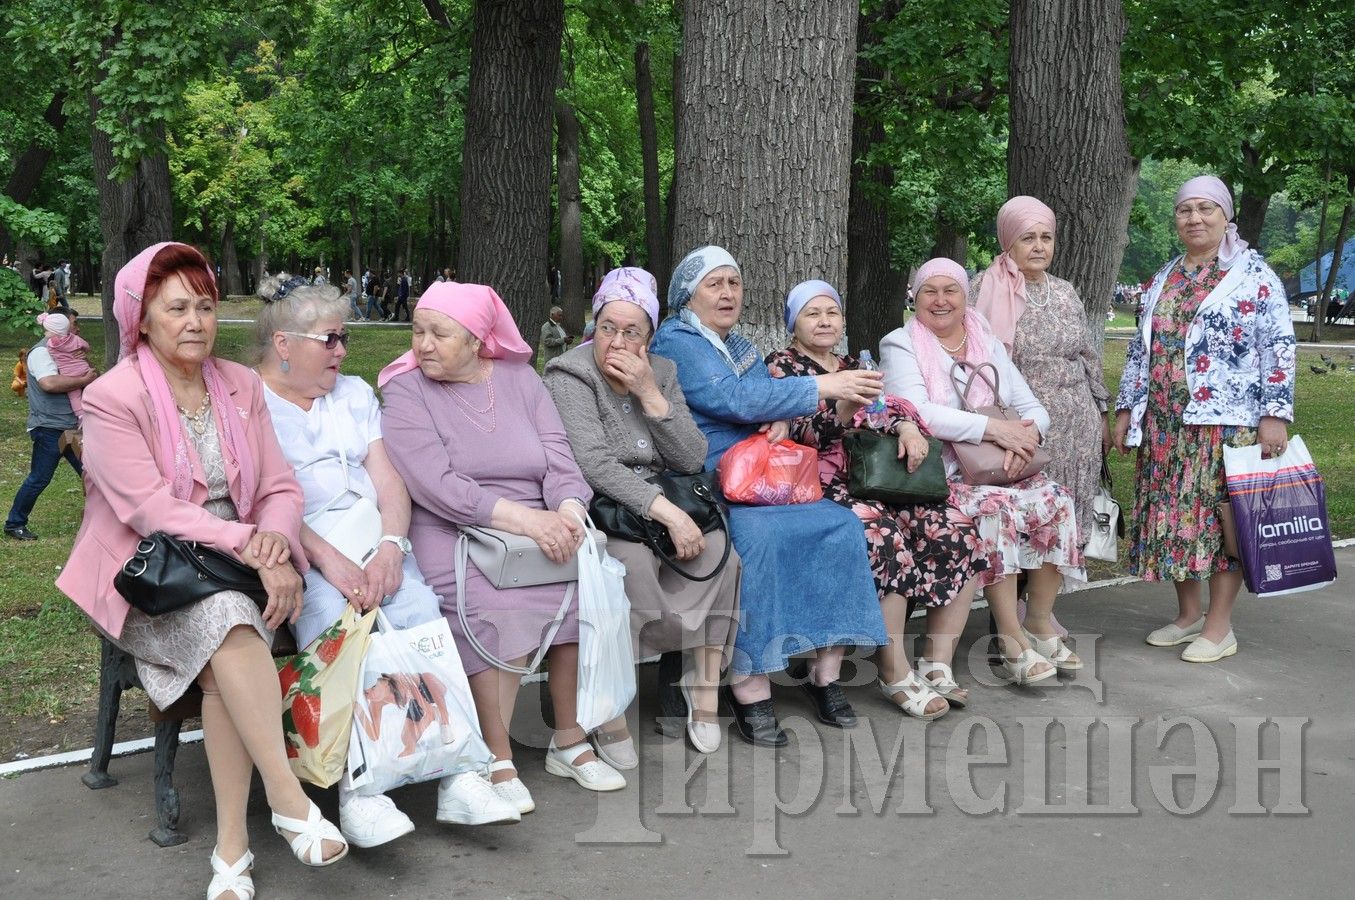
column 110, row 697
column 166, row 832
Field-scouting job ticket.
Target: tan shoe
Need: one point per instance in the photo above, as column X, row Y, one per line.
column 1203, row 650
column 1171, row 634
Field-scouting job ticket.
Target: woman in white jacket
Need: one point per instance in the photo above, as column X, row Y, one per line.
column 1026, row 525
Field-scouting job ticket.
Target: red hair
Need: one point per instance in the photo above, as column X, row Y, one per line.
column 184, row 261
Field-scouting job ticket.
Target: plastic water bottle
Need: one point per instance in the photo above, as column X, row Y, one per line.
column 877, row 413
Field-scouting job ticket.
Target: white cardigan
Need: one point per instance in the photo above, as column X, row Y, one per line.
column 946, row 420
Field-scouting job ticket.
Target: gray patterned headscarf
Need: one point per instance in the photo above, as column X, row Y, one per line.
column 695, row 266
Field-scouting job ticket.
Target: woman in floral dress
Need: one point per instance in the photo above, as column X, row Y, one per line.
column 1211, row 366
column 926, row 553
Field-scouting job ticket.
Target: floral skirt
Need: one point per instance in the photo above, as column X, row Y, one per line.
column 1022, row 526
column 1175, row 532
column 925, row 553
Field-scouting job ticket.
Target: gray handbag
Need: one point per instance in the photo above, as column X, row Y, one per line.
column 982, row 463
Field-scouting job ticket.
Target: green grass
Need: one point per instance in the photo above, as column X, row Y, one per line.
column 49, row 653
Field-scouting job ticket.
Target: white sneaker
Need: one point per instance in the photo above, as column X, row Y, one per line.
column 468, row 799
column 512, row 791
column 370, row 821
column 594, row 776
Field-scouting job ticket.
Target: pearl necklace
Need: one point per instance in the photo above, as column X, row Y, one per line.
column 1048, row 293
column 954, row 350
column 467, row 408
column 199, row 419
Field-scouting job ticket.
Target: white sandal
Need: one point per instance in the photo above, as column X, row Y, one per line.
column 594, row 776
column 512, row 790
column 919, row 694
column 1018, row 670
column 233, row 877
column 309, row 844
column 1056, row 651
column 946, row 685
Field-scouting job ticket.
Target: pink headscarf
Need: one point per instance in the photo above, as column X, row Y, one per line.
column 932, row 360
column 1208, row 187
column 1002, row 295
column 480, row 311
column 632, row 285
column 129, row 289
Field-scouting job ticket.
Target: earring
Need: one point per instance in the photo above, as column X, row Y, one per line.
column 285, row 366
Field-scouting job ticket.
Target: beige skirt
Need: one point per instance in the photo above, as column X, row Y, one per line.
column 670, row 612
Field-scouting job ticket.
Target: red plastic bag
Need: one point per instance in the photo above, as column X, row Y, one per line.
column 757, row 472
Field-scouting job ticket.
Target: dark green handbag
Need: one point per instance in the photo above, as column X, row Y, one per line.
column 875, row 472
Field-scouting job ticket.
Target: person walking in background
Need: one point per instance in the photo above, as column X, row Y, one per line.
column 351, row 292
column 401, row 296
column 554, row 338
column 61, row 283
column 49, row 414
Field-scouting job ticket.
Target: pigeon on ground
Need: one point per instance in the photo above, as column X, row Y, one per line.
column 1317, row 370
column 1325, row 358
column 1332, row 365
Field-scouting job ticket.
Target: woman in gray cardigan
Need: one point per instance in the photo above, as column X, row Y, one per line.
column 627, row 421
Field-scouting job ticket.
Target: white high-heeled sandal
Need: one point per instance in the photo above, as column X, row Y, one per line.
column 919, row 695
column 308, row 846
column 233, row 877
column 1018, row 670
column 1056, row 651
column 946, row 685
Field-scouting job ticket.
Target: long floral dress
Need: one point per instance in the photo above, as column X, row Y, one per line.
column 1175, row 529
column 925, row 552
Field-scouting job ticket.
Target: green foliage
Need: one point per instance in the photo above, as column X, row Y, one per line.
column 18, row 303
column 35, row 226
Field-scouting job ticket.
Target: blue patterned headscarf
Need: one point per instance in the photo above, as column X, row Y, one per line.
column 734, row 349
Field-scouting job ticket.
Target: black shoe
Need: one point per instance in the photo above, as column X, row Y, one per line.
column 756, row 722
column 672, row 718
column 829, row 702
column 21, row 533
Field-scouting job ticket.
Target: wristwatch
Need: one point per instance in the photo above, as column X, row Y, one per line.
column 402, row 542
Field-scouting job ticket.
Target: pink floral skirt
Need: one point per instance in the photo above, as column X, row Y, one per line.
column 1022, row 526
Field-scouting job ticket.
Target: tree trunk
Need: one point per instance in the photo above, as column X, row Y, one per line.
column 134, row 213
column 1067, row 116
column 29, row 166
column 506, row 178
column 656, row 241
column 1319, row 301
column 673, row 253
column 1251, row 216
column 1335, row 268
column 764, row 164
column 951, row 242
column 260, row 264
column 355, row 238
column 874, row 309
column 231, row 285
column 571, row 216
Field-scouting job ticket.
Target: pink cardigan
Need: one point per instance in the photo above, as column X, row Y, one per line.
column 128, row 495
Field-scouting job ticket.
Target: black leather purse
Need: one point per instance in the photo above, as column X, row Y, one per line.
column 875, row 472
column 167, row 573
column 697, row 495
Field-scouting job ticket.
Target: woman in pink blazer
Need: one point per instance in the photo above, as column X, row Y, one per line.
column 181, row 442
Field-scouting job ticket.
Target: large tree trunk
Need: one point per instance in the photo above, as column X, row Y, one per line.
column 260, row 263
column 571, row 216
column 506, row 183
column 355, row 239
column 951, row 242
column 1335, row 268
column 656, row 241
column 29, row 166
column 764, row 165
column 1251, row 216
column 134, row 213
column 231, row 283
column 873, row 306
column 1067, row 117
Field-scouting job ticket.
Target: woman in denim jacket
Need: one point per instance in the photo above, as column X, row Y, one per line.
column 1211, row 365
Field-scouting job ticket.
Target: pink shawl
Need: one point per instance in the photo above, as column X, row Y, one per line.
column 1002, row 294
column 935, row 363
column 480, row 311
column 129, row 290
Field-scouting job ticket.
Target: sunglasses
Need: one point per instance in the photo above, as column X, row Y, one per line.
column 331, row 340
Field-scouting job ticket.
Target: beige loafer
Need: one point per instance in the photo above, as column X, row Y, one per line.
column 1171, row 634
column 1203, row 650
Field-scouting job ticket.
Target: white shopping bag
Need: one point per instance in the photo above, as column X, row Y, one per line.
column 606, row 658
column 414, row 717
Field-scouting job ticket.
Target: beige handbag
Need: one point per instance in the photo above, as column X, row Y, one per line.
column 514, row 560
column 982, row 463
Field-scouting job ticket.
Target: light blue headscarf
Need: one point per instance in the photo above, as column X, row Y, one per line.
column 802, row 293
column 736, row 350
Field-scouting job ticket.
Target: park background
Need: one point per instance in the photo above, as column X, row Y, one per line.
column 824, row 138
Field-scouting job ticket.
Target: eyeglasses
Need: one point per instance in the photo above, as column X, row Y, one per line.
column 1204, row 209
column 609, row 331
column 331, row 340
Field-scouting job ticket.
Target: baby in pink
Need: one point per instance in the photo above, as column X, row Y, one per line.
column 69, row 351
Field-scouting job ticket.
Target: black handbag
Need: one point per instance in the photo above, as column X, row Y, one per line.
column 697, row 495
column 875, row 472
column 167, row 573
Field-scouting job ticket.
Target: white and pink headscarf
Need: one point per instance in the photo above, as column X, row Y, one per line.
column 631, row 285
column 932, row 360
column 1002, row 295
column 478, row 309
column 1208, row 187
column 129, row 289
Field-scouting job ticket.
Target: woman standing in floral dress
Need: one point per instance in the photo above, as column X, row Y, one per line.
column 1211, row 366
column 925, row 553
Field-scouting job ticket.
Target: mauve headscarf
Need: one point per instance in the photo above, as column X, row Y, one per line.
column 1002, row 294
column 129, row 290
column 480, row 311
column 1208, row 187
column 802, row 293
column 933, row 361
column 631, row 285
